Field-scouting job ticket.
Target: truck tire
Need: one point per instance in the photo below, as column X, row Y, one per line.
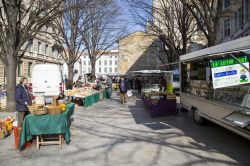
column 198, row 119
column 182, row 109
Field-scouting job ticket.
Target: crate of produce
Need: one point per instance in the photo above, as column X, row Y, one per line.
column 35, row 107
column 3, row 133
column 54, row 110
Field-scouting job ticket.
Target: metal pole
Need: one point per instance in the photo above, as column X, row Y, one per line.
column 245, row 67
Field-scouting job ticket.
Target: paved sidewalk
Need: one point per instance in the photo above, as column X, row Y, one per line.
column 111, row 134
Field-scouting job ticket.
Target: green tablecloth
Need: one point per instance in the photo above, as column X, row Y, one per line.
column 89, row 100
column 47, row 124
column 97, row 97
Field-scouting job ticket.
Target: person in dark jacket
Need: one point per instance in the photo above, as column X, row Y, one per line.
column 23, row 99
column 123, row 86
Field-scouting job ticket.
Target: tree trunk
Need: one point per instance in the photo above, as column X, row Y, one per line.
column 93, row 77
column 11, row 83
column 70, row 73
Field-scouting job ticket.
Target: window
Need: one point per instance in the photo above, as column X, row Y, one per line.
column 105, row 62
column 227, row 28
column 29, row 68
column 110, row 56
column 110, row 62
column 84, row 63
column 30, row 45
column 53, row 51
column 116, row 56
column 110, row 69
column 246, row 11
column 89, row 70
column 100, row 69
column 115, row 62
column 105, row 69
column 39, row 48
column 116, row 69
column 238, row 19
column 46, row 49
column 20, row 69
column 226, row 4
column 100, row 62
column 89, row 62
column 46, row 28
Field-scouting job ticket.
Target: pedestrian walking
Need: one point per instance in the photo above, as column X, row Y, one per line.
column 123, row 86
column 23, row 100
column 109, row 87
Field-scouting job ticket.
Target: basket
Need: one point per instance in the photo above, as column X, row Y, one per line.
column 54, row 110
column 33, row 107
column 40, row 111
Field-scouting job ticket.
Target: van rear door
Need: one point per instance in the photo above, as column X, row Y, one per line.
column 52, row 83
column 38, row 82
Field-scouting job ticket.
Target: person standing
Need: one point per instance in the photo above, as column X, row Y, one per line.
column 123, row 86
column 163, row 84
column 109, row 87
column 23, row 100
column 139, row 85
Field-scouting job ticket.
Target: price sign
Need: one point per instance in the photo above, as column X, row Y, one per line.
column 228, row 72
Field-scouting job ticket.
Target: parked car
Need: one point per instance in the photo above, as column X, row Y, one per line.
column 47, row 80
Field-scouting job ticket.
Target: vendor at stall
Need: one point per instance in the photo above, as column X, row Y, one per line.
column 23, row 99
column 163, row 84
column 79, row 83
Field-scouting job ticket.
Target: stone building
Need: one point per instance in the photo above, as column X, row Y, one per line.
column 234, row 20
column 138, row 51
column 42, row 49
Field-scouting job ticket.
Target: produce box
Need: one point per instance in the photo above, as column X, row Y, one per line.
column 3, row 125
column 3, row 133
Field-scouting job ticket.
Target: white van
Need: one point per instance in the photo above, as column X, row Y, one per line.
column 47, row 80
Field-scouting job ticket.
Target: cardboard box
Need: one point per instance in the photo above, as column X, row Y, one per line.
column 3, row 134
column 3, row 125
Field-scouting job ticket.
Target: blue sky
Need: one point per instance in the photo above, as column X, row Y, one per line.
column 128, row 17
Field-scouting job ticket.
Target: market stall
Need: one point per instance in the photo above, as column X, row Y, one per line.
column 157, row 92
column 35, row 125
column 159, row 103
column 88, row 95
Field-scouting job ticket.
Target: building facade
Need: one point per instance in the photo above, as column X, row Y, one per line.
column 105, row 65
column 42, row 49
column 234, row 20
column 137, row 51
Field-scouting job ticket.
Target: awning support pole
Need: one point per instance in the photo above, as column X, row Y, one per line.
column 245, row 67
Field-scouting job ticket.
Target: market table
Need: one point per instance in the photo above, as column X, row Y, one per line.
column 96, row 97
column 34, row 125
column 89, row 100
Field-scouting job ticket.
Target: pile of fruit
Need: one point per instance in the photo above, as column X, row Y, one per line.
column 80, row 92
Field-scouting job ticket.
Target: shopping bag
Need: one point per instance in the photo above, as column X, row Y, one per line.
column 129, row 93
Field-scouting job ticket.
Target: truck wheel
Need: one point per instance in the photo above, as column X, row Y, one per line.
column 182, row 109
column 198, row 118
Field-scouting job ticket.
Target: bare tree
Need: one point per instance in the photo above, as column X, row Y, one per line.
column 170, row 21
column 21, row 21
column 102, row 30
column 207, row 14
column 67, row 31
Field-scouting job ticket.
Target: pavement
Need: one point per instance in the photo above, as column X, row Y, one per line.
column 111, row 134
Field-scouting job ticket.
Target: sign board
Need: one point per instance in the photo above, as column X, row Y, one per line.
column 228, row 72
